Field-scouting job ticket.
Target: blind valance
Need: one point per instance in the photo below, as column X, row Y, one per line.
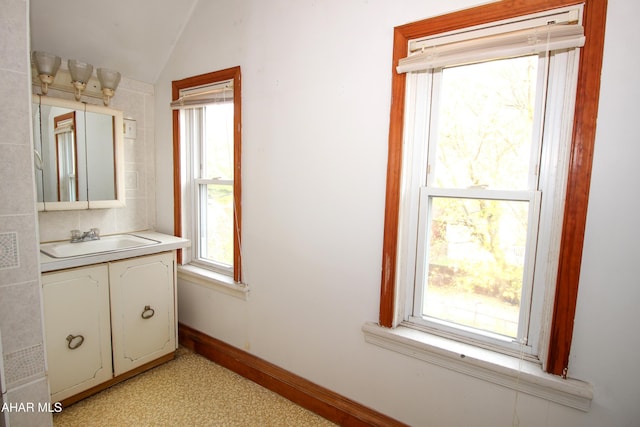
column 202, row 95
column 441, row 52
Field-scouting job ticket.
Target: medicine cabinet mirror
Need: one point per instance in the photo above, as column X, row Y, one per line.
column 79, row 155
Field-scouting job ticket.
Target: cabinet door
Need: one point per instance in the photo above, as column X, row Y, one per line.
column 142, row 310
column 77, row 329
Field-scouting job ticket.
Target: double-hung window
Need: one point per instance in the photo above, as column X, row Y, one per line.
column 207, row 130
column 486, row 163
column 477, row 189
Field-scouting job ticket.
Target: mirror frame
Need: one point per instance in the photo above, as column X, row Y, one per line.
column 118, row 137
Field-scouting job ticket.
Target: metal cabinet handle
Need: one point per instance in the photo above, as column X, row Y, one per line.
column 148, row 312
column 74, row 341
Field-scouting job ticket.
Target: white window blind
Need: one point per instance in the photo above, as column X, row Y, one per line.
column 203, row 95
column 525, row 37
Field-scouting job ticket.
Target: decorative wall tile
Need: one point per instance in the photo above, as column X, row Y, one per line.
column 9, row 251
column 25, row 230
column 23, row 365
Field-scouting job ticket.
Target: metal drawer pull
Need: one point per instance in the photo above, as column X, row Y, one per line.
column 148, row 312
column 74, row 341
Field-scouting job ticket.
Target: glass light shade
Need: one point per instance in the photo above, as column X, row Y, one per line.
column 46, row 63
column 109, row 79
column 80, row 71
column 47, row 66
column 80, row 75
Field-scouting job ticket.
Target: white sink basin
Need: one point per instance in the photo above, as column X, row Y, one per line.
column 117, row 242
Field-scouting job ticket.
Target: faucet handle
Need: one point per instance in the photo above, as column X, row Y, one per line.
column 76, row 234
column 96, row 232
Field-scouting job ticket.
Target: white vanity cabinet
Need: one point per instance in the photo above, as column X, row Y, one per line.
column 107, row 322
column 77, row 329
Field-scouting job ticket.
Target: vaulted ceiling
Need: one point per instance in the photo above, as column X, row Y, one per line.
column 133, row 37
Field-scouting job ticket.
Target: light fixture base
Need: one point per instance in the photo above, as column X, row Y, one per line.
column 46, row 80
column 108, row 94
column 79, row 88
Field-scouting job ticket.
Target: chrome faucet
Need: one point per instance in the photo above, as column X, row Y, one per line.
column 78, row 236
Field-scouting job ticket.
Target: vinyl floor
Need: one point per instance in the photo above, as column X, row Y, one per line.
column 187, row 391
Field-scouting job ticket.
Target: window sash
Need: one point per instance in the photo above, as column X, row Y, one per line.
column 195, row 197
column 200, row 232
column 533, row 199
column 554, row 111
column 194, row 128
column 433, row 90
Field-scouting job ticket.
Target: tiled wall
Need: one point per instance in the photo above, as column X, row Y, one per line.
column 136, row 100
column 20, row 291
column 22, row 371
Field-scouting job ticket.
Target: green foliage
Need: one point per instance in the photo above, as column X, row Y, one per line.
column 481, row 278
column 220, row 224
column 484, row 141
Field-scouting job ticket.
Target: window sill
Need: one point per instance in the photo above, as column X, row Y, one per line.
column 212, row 280
column 521, row 375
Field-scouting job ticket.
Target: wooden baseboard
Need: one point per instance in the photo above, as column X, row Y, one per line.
column 324, row 402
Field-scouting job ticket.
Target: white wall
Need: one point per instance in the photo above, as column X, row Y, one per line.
column 316, row 94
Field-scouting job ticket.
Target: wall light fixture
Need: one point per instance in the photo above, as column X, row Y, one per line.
column 80, row 75
column 109, row 80
column 47, row 66
column 77, row 78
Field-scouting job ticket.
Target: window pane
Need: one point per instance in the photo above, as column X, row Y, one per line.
column 475, row 259
column 485, row 125
column 66, row 163
column 218, row 149
column 216, row 244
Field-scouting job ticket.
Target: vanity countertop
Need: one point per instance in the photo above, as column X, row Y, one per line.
column 166, row 243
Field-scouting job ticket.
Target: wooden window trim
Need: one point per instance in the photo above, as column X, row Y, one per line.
column 199, row 80
column 579, row 175
column 68, row 116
